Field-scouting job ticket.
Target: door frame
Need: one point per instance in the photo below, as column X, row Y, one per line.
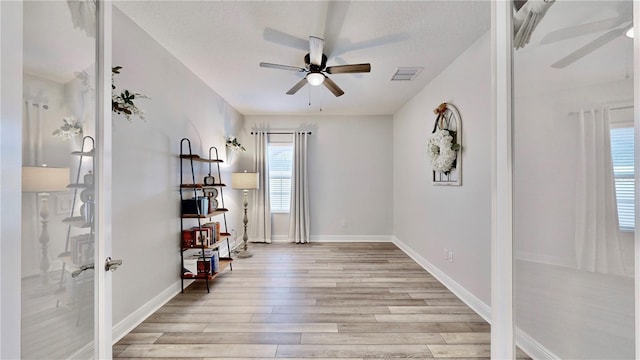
column 103, row 279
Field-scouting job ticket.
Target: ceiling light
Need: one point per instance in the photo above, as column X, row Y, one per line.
column 630, row 32
column 315, row 78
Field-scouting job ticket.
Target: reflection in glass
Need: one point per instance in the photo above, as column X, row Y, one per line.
column 573, row 182
column 57, row 308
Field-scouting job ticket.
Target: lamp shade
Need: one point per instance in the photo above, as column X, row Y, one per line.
column 245, row 181
column 44, row 179
column 315, row 78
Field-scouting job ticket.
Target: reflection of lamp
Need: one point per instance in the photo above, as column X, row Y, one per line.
column 245, row 181
column 315, row 78
column 43, row 180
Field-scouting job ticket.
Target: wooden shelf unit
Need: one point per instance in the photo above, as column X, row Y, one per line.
column 190, row 187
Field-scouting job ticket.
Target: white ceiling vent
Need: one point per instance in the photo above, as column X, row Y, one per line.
column 406, row 73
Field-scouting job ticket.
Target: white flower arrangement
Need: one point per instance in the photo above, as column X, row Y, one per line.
column 70, row 128
column 442, row 150
column 233, row 144
column 123, row 103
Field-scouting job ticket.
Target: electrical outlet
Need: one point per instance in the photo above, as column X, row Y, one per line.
column 445, row 251
column 450, row 256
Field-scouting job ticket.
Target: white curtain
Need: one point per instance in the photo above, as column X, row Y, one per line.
column 33, row 137
column 299, row 213
column 596, row 222
column 261, row 220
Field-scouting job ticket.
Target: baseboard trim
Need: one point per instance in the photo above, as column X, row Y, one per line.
column 137, row 317
column 467, row 297
column 544, row 259
column 533, row 348
column 352, row 238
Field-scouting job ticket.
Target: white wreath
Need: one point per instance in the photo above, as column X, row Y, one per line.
column 442, row 150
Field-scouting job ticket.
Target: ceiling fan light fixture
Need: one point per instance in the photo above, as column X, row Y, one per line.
column 630, row 33
column 315, row 78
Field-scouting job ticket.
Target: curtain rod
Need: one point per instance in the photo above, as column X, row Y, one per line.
column 282, row 133
column 613, row 108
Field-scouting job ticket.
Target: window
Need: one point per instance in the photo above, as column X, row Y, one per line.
column 623, row 172
column 280, row 157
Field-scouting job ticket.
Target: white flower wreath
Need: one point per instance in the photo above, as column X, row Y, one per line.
column 442, row 150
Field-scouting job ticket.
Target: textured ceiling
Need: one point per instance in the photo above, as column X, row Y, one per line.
column 223, row 42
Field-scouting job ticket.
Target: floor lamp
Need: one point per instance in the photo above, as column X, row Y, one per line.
column 42, row 180
column 245, row 181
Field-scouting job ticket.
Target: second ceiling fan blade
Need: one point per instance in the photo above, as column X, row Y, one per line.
column 584, row 29
column 335, row 89
column 346, row 69
column 297, row 86
column 281, row 67
column 595, row 44
column 316, row 45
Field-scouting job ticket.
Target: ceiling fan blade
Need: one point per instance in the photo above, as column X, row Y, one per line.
column 584, row 29
column 349, row 69
column 282, row 67
column 297, row 86
column 335, row 89
column 595, row 44
column 315, row 50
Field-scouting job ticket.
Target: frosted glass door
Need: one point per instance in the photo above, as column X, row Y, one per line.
column 574, row 183
column 59, row 172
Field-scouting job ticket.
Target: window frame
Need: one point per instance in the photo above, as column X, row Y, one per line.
column 280, row 209
column 622, row 227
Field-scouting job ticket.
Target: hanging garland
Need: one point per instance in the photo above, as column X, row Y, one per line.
column 442, row 146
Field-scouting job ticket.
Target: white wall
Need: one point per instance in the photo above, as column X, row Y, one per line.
column 146, row 173
column 427, row 218
column 350, row 171
column 10, row 162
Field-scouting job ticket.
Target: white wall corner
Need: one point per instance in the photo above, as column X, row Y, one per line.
column 460, row 291
column 137, row 317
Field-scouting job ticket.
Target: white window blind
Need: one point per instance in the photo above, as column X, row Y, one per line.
column 280, row 164
column 623, row 172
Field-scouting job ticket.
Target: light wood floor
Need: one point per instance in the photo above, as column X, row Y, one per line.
column 319, row 300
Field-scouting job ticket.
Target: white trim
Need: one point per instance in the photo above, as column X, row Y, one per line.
column 533, row 348
column 636, row 101
column 351, row 238
column 137, row 317
column 337, row 238
column 502, row 319
column 103, row 185
column 467, row 297
column 544, row 259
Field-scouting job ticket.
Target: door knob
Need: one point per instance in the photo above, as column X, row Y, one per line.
column 112, row 265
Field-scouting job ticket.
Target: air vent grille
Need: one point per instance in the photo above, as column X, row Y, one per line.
column 406, row 73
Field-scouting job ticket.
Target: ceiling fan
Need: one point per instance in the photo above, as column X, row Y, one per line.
column 616, row 26
column 316, row 67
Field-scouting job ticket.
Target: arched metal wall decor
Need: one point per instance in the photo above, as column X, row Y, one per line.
column 444, row 146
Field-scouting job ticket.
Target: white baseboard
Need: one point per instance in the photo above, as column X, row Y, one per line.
column 467, row 297
column 533, row 348
column 544, row 259
column 134, row 319
column 352, row 238
column 338, row 238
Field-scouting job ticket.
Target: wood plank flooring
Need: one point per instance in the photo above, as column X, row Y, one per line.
column 321, row 301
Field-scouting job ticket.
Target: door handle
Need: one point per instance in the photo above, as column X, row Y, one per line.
column 112, row 265
column 81, row 269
